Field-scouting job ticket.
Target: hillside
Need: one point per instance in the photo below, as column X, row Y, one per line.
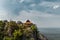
column 12, row 30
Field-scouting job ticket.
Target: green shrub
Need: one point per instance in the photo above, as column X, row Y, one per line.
column 33, row 27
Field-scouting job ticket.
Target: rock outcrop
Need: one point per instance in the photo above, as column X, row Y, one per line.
column 20, row 31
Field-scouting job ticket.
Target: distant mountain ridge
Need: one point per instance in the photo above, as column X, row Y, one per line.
column 13, row 30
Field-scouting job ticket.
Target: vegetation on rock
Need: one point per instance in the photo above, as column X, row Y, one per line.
column 11, row 30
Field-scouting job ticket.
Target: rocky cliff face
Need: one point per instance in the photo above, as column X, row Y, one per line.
column 19, row 31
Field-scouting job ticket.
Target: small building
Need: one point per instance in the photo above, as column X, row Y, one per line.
column 28, row 23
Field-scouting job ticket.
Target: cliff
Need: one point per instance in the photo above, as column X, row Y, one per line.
column 13, row 30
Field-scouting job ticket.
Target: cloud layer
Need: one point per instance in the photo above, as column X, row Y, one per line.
column 45, row 13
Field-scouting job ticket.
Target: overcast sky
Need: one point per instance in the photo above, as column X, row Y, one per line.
column 44, row 13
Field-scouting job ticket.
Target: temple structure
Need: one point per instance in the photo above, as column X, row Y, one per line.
column 28, row 23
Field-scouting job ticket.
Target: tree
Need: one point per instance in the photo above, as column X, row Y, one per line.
column 17, row 34
column 33, row 27
column 2, row 25
column 1, row 30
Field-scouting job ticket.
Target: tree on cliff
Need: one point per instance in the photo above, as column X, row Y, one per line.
column 11, row 30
